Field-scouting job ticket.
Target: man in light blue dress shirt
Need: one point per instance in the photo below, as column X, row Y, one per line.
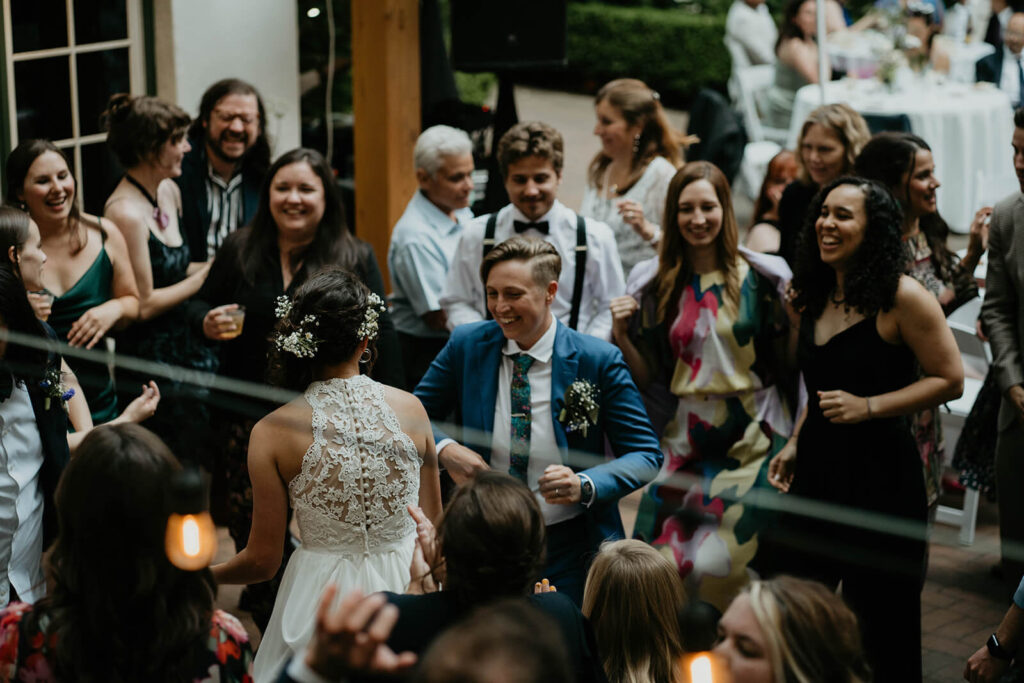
column 423, row 245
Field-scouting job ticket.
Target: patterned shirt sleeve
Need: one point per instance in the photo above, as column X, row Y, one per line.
column 230, row 647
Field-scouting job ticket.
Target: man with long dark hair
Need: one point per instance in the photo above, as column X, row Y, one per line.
column 221, row 177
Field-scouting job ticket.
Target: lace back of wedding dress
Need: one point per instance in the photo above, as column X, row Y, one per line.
column 360, row 472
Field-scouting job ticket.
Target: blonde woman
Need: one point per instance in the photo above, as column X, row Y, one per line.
column 789, row 629
column 632, row 598
column 627, row 180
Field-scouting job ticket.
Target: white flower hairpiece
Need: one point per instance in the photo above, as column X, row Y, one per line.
column 374, row 307
column 282, row 306
column 300, row 342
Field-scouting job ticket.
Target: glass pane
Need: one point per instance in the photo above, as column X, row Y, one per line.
column 100, row 174
column 43, row 112
column 100, row 75
column 97, row 21
column 39, row 24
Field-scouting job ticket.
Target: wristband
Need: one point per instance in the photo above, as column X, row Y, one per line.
column 997, row 650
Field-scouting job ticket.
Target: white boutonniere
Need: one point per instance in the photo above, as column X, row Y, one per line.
column 581, row 407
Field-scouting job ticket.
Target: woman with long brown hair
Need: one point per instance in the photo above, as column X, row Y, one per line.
column 89, row 272
column 628, row 177
column 705, row 336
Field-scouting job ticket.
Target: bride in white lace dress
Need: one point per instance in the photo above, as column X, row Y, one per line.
column 350, row 454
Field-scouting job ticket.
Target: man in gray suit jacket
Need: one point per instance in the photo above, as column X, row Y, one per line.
column 1002, row 316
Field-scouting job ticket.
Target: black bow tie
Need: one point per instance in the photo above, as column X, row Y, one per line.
column 521, row 227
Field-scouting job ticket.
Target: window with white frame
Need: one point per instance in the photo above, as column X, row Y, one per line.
column 64, row 59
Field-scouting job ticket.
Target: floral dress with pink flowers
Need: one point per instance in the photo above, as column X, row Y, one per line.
column 25, row 650
column 721, row 365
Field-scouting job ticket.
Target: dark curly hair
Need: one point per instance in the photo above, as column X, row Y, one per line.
column 890, row 158
column 338, row 300
column 110, row 571
column 871, row 280
column 493, row 538
column 137, row 127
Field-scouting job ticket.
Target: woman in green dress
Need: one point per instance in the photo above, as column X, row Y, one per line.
column 88, row 270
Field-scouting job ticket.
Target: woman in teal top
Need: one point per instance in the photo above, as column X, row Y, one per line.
column 88, row 270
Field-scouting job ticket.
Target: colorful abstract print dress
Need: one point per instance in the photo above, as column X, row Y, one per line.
column 729, row 419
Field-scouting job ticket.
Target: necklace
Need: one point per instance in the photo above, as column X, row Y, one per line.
column 159, row 215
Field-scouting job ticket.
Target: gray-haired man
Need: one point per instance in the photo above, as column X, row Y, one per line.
column 423, row 244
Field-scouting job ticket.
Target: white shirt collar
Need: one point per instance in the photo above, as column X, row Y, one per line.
column 1007, row 55
column 550, row 216
column 542, row 349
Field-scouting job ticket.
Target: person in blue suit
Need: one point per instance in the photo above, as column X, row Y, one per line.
column 534, row 398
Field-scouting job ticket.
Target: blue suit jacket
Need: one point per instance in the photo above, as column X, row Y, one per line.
column 464, row 379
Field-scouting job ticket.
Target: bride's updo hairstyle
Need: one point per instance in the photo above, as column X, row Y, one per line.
column 321, row 326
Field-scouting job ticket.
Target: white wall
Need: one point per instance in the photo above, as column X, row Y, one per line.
column 255, row 40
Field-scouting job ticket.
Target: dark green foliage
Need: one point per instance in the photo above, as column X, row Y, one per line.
column 675, row 51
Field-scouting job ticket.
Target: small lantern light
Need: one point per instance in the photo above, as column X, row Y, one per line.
column 191, row 539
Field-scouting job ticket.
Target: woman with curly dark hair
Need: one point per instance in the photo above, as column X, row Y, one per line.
column 865, row 328
column 350, row 454
column 113, row 583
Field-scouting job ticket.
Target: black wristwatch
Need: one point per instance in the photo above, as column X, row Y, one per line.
column 586, row 490
column 997, row 650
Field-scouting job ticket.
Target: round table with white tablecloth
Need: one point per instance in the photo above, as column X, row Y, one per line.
column 858, row 54
column 968, row 128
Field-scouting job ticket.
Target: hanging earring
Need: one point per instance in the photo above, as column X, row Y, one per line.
column 636, row 143
column 365, row 358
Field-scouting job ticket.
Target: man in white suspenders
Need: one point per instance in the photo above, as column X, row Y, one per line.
column 530, row 156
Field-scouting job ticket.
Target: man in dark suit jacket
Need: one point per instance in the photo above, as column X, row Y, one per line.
column 222, row 175
column 990, row 67
column 582, row 395
column 1002, row 316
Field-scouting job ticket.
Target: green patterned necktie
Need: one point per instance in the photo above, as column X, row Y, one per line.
column 519, row 445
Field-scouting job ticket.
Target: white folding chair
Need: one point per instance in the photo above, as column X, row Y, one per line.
column 976, row 355
column 753, row 81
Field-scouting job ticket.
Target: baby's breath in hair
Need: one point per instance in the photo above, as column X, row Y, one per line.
column 300, row 342
column 369, row 328
column 282, row 306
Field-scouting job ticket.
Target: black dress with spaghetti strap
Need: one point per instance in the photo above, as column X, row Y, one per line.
column 868, row 467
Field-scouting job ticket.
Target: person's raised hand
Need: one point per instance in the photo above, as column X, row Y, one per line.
column 782, row 467
column 352, row 639
column 622, row 308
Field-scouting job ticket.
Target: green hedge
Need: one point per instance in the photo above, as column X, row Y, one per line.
column 674, row 51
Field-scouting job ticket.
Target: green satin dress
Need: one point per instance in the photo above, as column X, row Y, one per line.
column 92, row 289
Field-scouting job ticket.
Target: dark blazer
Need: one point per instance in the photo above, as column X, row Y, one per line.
column 464, row 378
column 990, row 67
column 195, row 214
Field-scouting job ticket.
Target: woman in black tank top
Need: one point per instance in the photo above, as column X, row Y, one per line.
column 865, row 329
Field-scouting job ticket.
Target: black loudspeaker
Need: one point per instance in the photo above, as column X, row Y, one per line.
column 505, row 35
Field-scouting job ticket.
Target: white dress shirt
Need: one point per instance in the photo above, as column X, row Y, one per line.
column 463, row 296
column 543, row 446
column 754, row 30
column 1009, row 80
column 21, row 501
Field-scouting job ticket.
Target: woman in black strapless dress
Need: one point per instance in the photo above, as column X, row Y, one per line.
column 865, row 329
